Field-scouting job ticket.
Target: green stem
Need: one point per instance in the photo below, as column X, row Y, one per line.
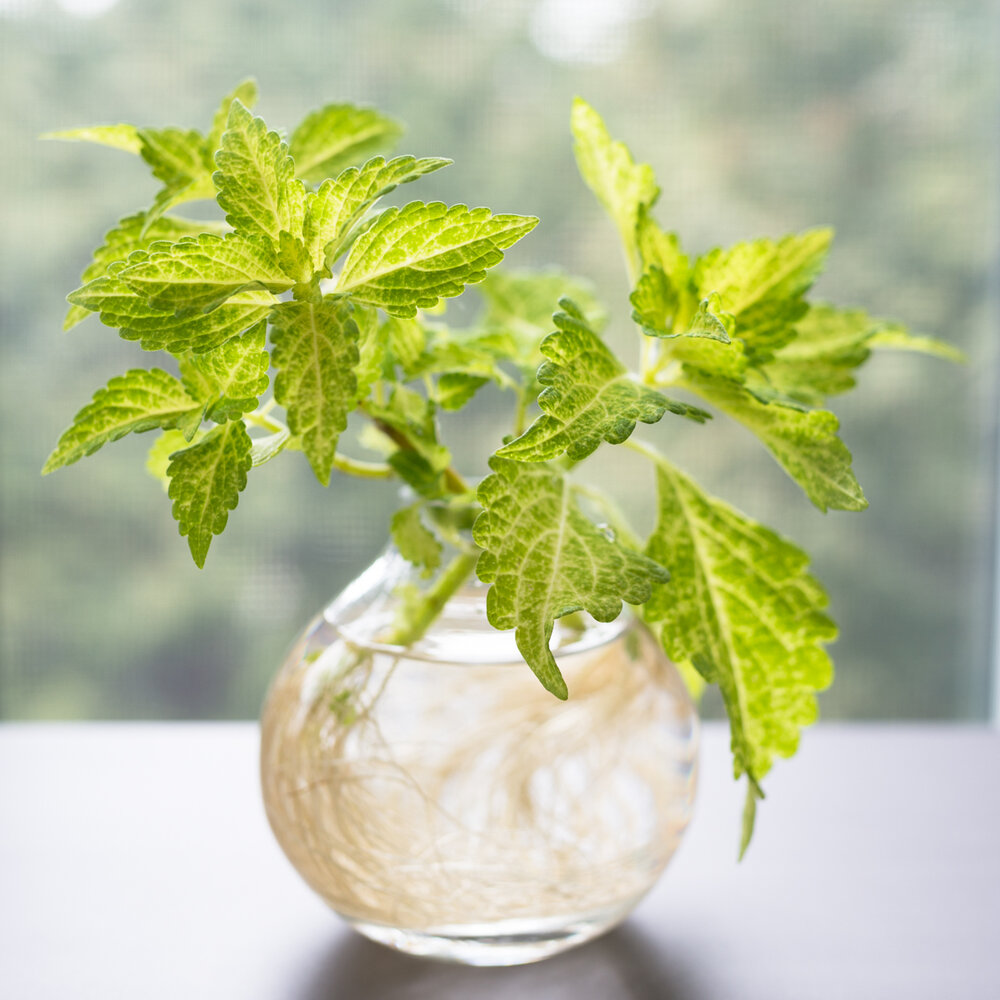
column 422, row 613
column 366, row 470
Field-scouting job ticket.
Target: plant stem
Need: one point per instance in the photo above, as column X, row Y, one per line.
column 366, row 470
column 423, row 612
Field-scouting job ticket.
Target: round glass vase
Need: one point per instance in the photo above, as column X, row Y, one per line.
column 445, row 804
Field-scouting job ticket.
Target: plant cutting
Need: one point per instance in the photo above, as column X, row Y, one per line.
column 438, row 795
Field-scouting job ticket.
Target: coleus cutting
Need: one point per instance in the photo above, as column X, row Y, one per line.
column 350, row 300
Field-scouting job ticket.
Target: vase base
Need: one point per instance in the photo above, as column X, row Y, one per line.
column 502, row 942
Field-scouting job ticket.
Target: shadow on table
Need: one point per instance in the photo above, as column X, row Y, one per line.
column 622, row 965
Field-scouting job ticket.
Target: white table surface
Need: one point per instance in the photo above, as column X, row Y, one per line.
column 136, row 862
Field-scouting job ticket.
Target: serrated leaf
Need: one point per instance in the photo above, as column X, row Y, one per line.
column 337, row 136
column 712, row 321
column 413, row 256
column 415, row 541
column 233, row 376
column 131, row 403
column 340, row 202
column 206, row 480
column 177, row 158
column 294, row 259
column 762, row 283
column 589, row 397
column 544, row 559
column 134, row 233
column 829, row 344
column 655, row 303
column 161, row 330
column 623, row 186
column 742, row 608
column 658, row 248
column 663, row 299
column 121, row 136
column 158, row 456
column 315, row 351
column 804, row 442
column 256, row 183
column 199, row 274
column 520, row 305
column 246, row 93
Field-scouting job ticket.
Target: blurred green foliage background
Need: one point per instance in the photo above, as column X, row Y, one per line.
column 876, row 116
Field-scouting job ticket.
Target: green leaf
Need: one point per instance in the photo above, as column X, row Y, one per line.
column 177, row 158
column 158, row 457
column 315, row 350
column 664, row 299
column 895, row 337
column 762, row 283
column 234, row 374
column 418, row 473
column 589, row 396
column 131, row 234
column 544, row 560
column 416, row 543
column 256, row 183
column 455, row 389
column 521, row 304
column 413, row 256
column 743, row 610
column 623, row 186
column 199, row 274
column 337, row 136
column 131, row 403
column 244, row 92
column 123, row 137
column 205, row 484
column 805, row 443
column 752, row 272
column 339, row 204
column 161, row 330
column 371, row 348
column 414, row 417
column 404, row 340
column 265, row 448
column 829, row 344
column 658, row 248
column 294, row 259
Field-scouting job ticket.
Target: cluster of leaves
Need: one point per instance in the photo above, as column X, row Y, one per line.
column 352, row 299
column 208, row 293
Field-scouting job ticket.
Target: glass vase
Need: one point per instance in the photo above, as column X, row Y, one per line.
column 445, row 804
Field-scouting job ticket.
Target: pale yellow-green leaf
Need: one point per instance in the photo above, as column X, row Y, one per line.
column 588, row 397
column 413, row 256
column 121, row 136
column 256, row 183
column 206, row 480
column 743, row 610
column 315, row 351
column 338, row 136
column 338, row 205
column 804, row 442
column 623, row 186
column 137, row 401
column 199, row 274
column 544, row 559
